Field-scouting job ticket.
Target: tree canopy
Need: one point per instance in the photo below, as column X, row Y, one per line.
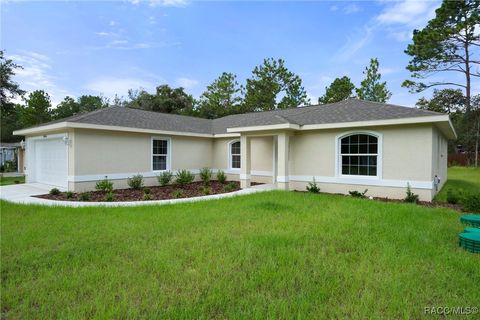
column 446, row 45
column 86, row 103
column 272, row 86
column 371, row 88
column 222, row 97
column 37, row 109
column 340, row 89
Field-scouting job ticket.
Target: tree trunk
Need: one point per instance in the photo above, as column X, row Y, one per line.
column 476, row 143
column 467, row 73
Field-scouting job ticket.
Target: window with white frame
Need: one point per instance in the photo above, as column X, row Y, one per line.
column 160, row 154
column 359, row 155
column 235, row 155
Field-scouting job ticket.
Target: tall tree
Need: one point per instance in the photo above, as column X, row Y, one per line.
column 371, row 88
column 37, row 109
column 340, row 89
column 86, row 103
column 272, row 86
column 446, row 45
column 222, row 97
column 165, row 99
column 446, row 101
column 9, row 89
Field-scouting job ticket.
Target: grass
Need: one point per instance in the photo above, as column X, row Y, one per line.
column 4, row 181
column 465, row 179
column 271, row 255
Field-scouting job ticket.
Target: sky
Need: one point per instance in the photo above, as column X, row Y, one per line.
column 108, row 47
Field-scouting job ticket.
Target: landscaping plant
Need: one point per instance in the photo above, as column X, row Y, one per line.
column 109, row 196
column 206, row 176
column 357, row 194
column 312, row 187
column 206, row 190
column 69, row 195
column 165, row 178
column 221, row 177
column 177, row 194
column 471, row 202
column 54, row 192
column 411, row 197
column 452, row 197
column 84, row 196
column 147, row 196
column 229, row 187
column 136, row 182
column 184, row 177
column 104, row 185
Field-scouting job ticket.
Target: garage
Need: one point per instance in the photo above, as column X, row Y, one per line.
column 50, row 162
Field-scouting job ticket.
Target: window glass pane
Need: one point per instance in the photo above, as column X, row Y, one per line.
column 362, row 148
column 354, row 139
column 345, row 148
column 345, row 160
column 354, row 148
column 372, row 148
column 354, row 160
column 235, row 147
column 372, row 160
column 159, row 162
column 363, row 138
column 346, row 140
column 372, row 171
column 363, row 160
column 372, row 139
column 236, row 161
column 354, row 170
column 355, row 164
column 363, row 170
column 345, row 170
column 160, row 147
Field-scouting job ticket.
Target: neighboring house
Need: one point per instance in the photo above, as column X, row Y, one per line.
column 11, row 153
column 349, row 145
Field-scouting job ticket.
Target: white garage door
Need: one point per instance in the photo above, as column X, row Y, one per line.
column 51, row 162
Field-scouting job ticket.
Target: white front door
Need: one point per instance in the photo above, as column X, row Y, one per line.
column 50, row 162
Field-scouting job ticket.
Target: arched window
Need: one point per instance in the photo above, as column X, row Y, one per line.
column 359, row 155
column 234, row 155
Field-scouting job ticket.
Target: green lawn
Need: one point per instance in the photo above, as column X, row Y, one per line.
column 466, row 179
column 270, row 255
column 11, row 180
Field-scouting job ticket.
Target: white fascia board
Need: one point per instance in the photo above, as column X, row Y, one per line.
column 38, row 130
column 282, row 126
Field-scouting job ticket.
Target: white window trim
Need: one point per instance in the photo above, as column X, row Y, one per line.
column 169, row 152
column 230, row 155
column 338, row 158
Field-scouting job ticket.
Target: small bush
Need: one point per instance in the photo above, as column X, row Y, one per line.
column 69, row 195
column 54, row 192
column 16, row 181
column 84, row 196
column 471, row 202
column 104, row 185
column 147, row 196
column 165, row 178
column 184, row 177
column 147, row 191
column 357, row 194
column 177, row 194
column 206, row 190
column 410, row 197
column 221, row 177
column 136, row 182
column 230, row 187
column 452, row 197
column 109, row 196
column 206, row 176
column 312, row 187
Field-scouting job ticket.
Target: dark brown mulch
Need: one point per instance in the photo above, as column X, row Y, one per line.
column 433, row 204
column 194, row 189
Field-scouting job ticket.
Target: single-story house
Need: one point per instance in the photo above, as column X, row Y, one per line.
column 349, row 145
column 11, row 153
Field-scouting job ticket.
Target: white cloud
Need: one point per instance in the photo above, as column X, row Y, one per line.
column 411, row 13
column 385, row 71
column 152, row 20
column 186, row 82
column 333, row 8
column 351, row 8
column 112, row 23
column 109, row 86
column 168, row 3
column 355, row 43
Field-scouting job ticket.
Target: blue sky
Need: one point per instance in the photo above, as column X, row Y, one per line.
column 91, row 47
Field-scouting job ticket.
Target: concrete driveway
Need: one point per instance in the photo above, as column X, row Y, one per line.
column 22, row 193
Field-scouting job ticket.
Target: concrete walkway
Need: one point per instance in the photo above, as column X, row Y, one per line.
column 22, row 193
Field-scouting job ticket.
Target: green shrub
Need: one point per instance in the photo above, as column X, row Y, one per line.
column 206, row 190
column 221, row 177
column 84, row 196
column 206, row 176
column 165, row 178
column 54, row 192
column 471, row 202
column 410, row 197
column 177, row 194
column 230, row 187
column 136, row 182
column 312, row 187
column 147, row 191
column 184, row 177
column 357, row 194
column 104, row 185
column 109, row 196
column 147, row 196
column 69, row 195
column 453, row 197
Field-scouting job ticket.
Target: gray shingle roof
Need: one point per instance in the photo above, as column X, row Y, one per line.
column 351, row 110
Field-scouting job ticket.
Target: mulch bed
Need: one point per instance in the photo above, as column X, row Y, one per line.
column 194, row 189
column 433, row 204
